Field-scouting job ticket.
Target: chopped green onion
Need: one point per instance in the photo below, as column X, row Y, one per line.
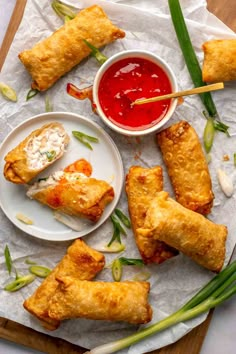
column 221, row 127
column 116, row 270
column 40, row 271
column 8, row 259
column 131, row 261
column 19, row 283
column 50, row 155
column 117, row 225
column 95, row 52
column 63, row 10
column 234, row 159
column 82, row 137
column 48, row 104
column 123, row 218
column 28, row 261
column 31, row 94
column 23, row 218
column 115, row 247
column 189, row 54
column 115, row 236
column 208, row 135
column 219, row 289
column 142, row 276
column 8, row 92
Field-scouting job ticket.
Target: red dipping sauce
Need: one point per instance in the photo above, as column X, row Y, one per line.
column 130, row 79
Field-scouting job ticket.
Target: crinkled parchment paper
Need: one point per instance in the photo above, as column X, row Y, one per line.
column 148, row 26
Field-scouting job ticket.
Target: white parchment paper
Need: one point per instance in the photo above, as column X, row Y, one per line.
column 148, row 26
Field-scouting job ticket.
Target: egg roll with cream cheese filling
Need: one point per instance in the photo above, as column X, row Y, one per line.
column 81, row 262
column 73, row 193
column 142, row 185
column 56, row 55
column 187, row 167
column 219, row 62
column 189, row 232
column 112, row 301
column 35, row 153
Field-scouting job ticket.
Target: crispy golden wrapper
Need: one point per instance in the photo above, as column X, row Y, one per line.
column 54, row 56
column 81, row 262
column 186, row 230
column 74, row 194
column 142, row 185
column 219, row 62
column 19, row 167
column 112, row 301
column 187, row 167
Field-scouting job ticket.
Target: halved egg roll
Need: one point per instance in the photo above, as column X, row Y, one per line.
column 81, row 262
column 219, row 62
column 187, row 231
column 73, row 193
column 187, row 167
column 112, row 301
column 54, row 56
column 142, row 185
column 35, row 153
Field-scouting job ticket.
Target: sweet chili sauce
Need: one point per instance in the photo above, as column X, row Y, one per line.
column 130, row 79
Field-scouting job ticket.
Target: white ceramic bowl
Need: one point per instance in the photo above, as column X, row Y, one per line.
column 143, row 55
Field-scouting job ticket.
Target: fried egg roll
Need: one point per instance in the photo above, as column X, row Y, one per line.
column 54, row 56
column 187, row 167
column 35, row 153
column 142, row 185
column 81, row 262
column 73, row 193
column 112, row 301
column 187, row 231
column 219, row 62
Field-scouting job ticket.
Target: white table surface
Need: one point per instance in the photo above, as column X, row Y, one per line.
column 221, row 336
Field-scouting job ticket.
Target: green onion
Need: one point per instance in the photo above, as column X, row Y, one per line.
column 28, row 261
column 40, row 271
column 115, row 236
column 8, row 259
column 123, row 218
column 117, row 266
column 208, row 135
column 189, row 54
column 221, row 127
column 116, row 269
column 117, row 225
column 114, row 247
column 50, row 155
column 219, row 289
column 19, row 283
column 82, row 137
column 63, row 11
column 31, row 94
column 95, row 52
column 48, row 104
column 131, row 261
column 8, row 92
column 142, row 276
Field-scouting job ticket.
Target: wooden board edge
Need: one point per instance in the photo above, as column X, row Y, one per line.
column 13, row 25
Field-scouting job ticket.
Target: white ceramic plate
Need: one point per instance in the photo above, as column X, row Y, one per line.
column 104, row 158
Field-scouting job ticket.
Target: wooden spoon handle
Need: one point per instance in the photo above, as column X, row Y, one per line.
column 206, row 88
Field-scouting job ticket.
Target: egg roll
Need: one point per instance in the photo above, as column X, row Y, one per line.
column 73, row 193
column 35, row 153
column 80, row 261
column 142, row 185
column 111, row 301
column 219, row 62
column 187, row 167
column 189, row 232
column 56, row 55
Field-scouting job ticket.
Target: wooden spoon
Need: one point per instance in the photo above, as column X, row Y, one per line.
column 207, row 88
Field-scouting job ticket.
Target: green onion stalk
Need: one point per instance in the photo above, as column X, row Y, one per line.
column 195, row 73
column 218, row 290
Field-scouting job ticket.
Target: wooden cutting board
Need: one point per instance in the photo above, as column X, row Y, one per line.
column 12, row 331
